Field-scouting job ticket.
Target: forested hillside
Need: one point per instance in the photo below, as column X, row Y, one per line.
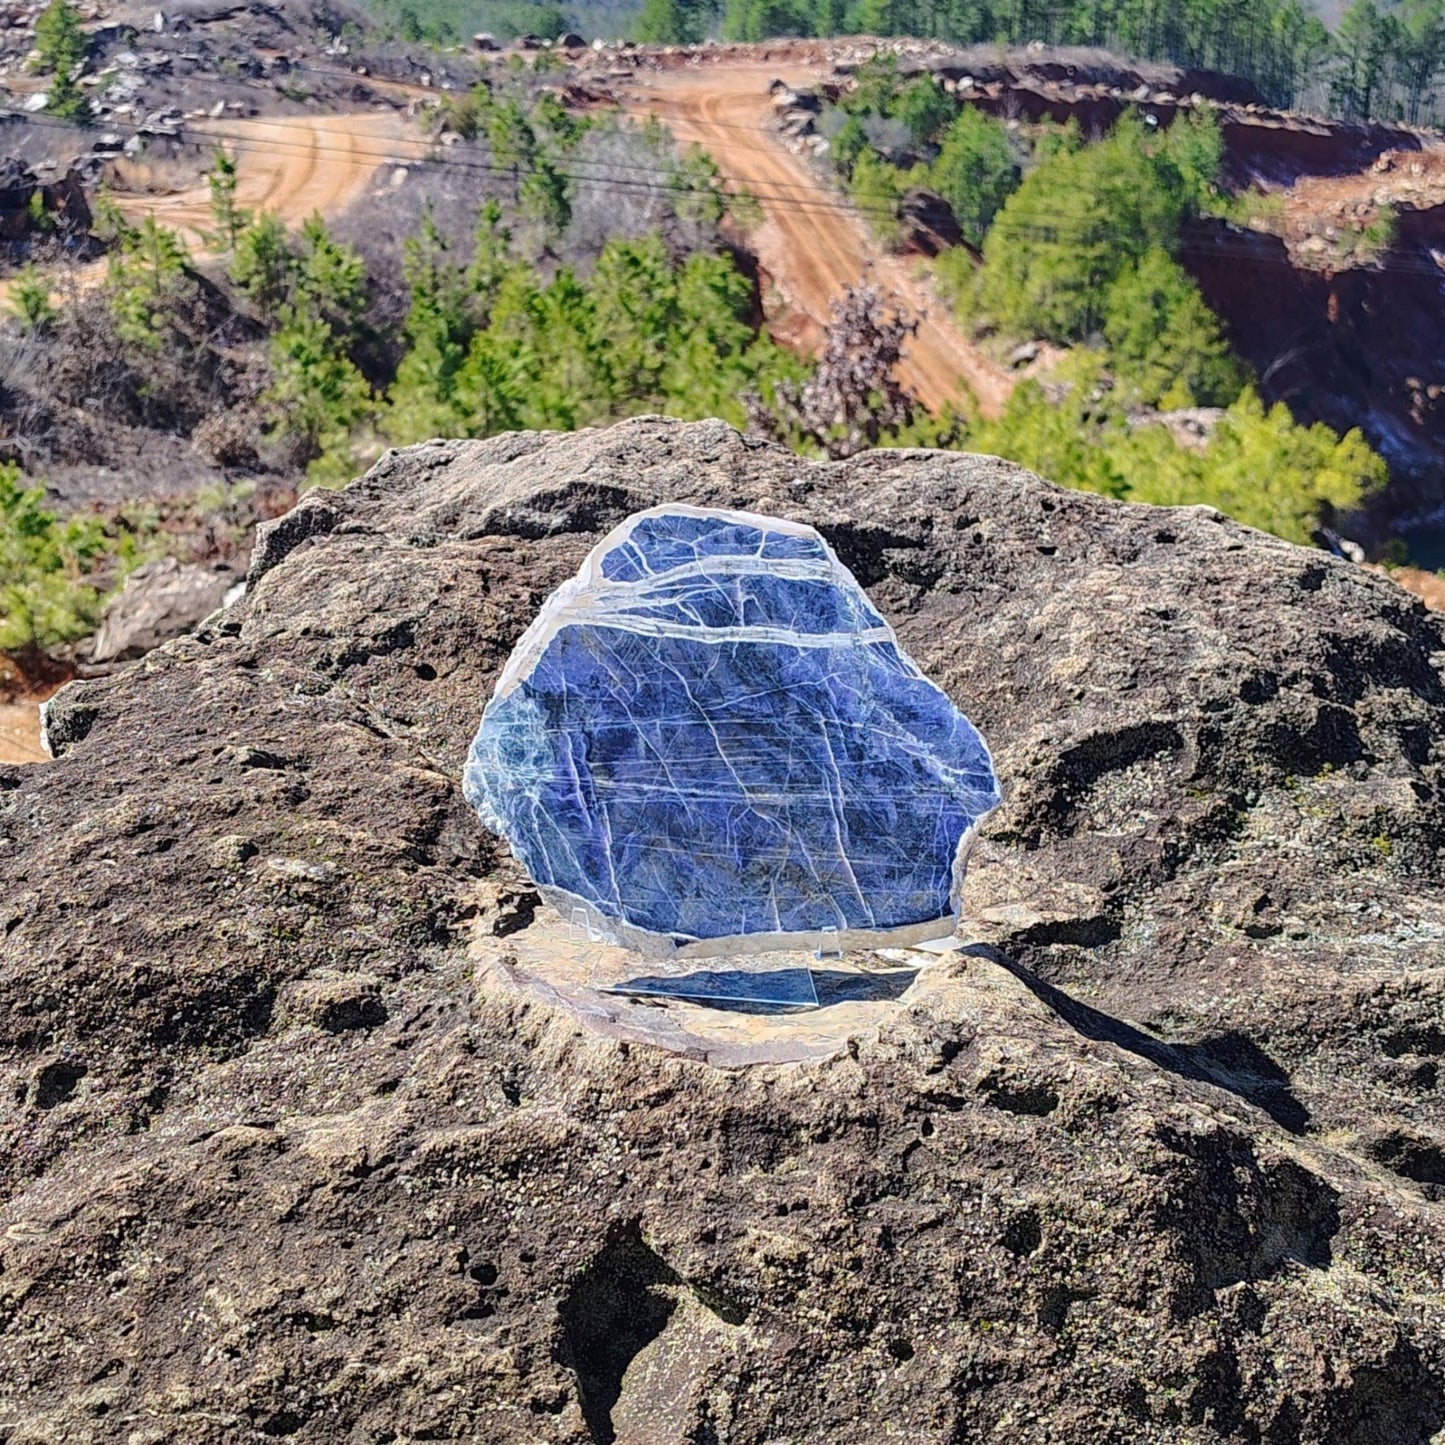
column 543, row 261
column 534, row 280
column 1070, row 258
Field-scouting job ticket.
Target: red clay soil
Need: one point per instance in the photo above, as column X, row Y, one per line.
column 812, row 244
column 26, row 681
column 1337, row 337
column 1351, row 345
column 1322, row 213
column 22, row 689
column 1429, row 587
column 292, row 166
column 20, row 733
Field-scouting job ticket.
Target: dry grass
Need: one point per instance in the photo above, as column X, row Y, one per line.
column 1429, row 587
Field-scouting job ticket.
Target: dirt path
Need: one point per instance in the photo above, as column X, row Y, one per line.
column 291, row 165
column 20, row 733
column 811, row 243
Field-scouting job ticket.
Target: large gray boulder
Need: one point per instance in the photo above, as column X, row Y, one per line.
column 1156, row 1160
column 160, row 600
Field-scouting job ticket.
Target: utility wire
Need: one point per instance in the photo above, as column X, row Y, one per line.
column 819, row 201
column 193, row 136
column 439, row 94
column 778, row 188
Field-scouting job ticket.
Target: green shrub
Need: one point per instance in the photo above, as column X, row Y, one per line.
column 975, row 171
column 30, row 299
column 497, row 348
column 877, row 187
column 1163, row 340
column 60, row 43
column 147, row 283
column 759, row 19
column 1083, row 215
column 229, row 217
column 1368, row 243
column 925, row 108
column 1259, row 466
column 61, row 47
column 44, row 597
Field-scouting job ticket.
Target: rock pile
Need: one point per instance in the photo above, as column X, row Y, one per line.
column 1157, row 1160
column 143, row 74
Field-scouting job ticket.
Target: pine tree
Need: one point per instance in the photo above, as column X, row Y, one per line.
column 312, row 291
column 1365, row 39
column 317, row 393
column 512, row 140
column 975, row 171
column 1259, row 466
column 546, row 199
column 330, row 278
column 1163, row 340
column 61, row 48
column 439, row 327
column 666, row 22
column 925, row 108
column 492, row 256
column 1075, row 223
column 147, row 282
column 642, row 333
column 634, row 317
column 44, row 597
column 263, row 264
column 60, row 43
column 229, row 219
column 1421, row 47
column 30, row 300
column 697, row 188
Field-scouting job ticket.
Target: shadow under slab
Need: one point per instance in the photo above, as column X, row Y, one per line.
column 766, row 1008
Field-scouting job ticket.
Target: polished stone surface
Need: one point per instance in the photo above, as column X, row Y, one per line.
column 710, row 740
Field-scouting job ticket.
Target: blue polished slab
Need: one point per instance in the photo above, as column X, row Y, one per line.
column 710, row 741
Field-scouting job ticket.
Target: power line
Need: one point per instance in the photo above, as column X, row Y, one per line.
column 777, row 189
column 828, row 202
column 817, row 200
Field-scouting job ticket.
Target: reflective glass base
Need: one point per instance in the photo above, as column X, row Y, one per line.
column 760, row 981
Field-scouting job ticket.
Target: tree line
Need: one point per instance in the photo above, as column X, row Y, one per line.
column 1381, row 61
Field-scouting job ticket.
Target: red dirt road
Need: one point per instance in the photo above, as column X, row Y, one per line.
column 291, row 166
column 20, row 733
column 812, row 243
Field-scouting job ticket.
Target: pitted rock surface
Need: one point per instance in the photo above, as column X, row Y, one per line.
column 1157, row 1160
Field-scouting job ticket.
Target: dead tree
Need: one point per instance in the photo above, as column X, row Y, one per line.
column 854, row 396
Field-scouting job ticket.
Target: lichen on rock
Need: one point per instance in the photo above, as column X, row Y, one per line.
column 1155, row 1160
